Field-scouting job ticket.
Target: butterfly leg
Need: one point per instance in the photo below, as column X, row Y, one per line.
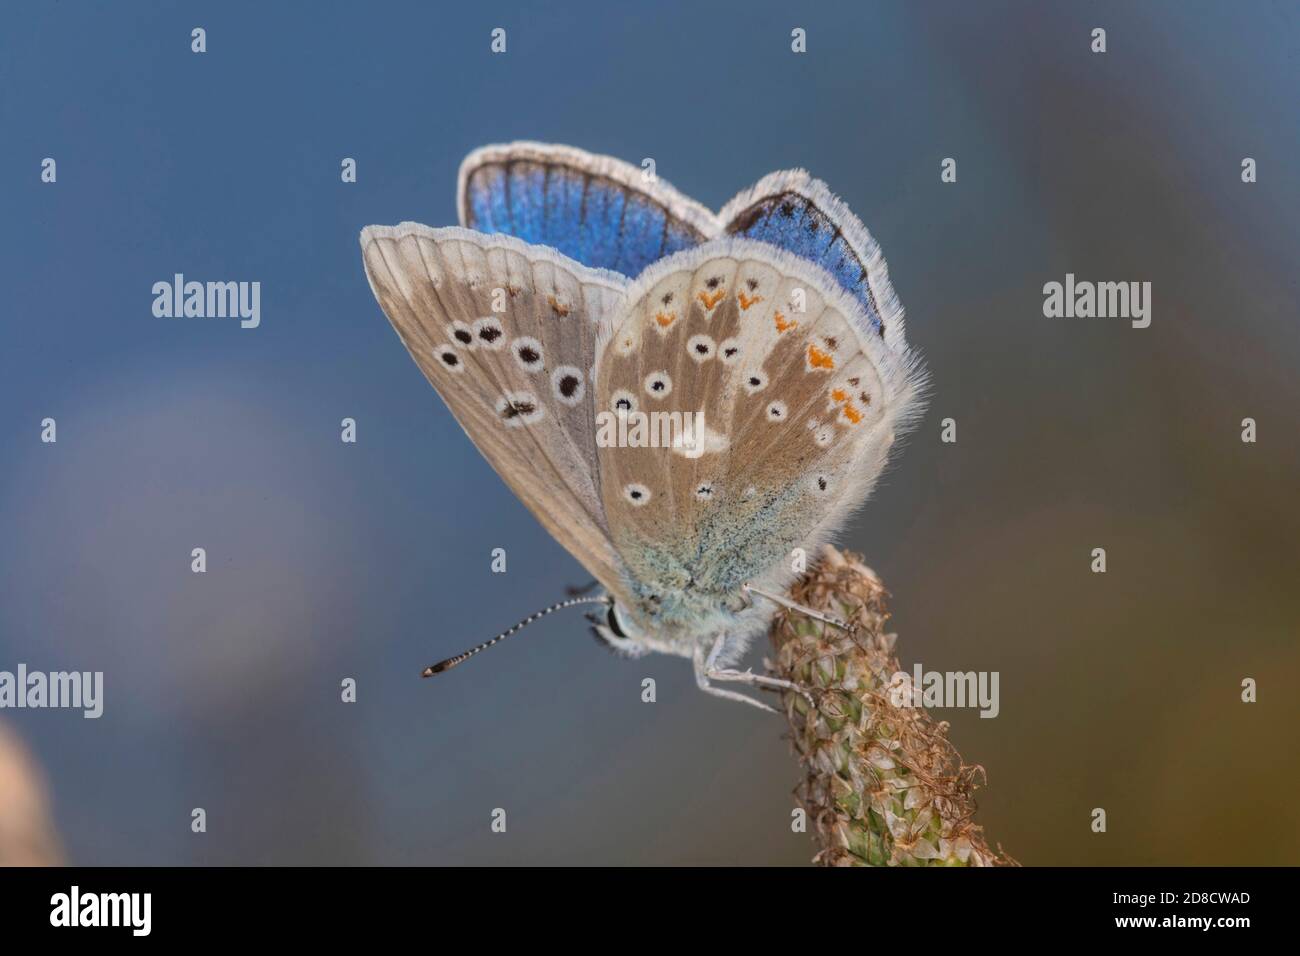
column 733, row 695
column 758, row 680
column 791, row 605
column 711, row 672
column 747, row 676
column 704, row 668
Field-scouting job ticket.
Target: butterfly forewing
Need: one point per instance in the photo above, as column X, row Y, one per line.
column 597, row 210
column 507, row 335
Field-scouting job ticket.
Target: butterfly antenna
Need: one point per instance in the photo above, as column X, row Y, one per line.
column 787, row 603
column 451, row 662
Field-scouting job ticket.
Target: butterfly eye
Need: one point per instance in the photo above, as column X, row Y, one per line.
column 701, row 348
column 729, row 351
column 611, row 619
column 450, row 360
column 636, row 494
column 609, row 631
column 623, row 402
column 566, row 383
column 489, row 333
column 528, row 353
column 777, row 411
column 755, row 383
column 658, row 384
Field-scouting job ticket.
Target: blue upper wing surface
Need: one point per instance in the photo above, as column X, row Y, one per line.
column 607, row 214
column 799, row 214
column 595, row 209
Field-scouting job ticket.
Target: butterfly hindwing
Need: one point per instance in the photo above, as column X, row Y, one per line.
column 795, row 212
column 507, row 335
column 597, row 210
column 800, row 398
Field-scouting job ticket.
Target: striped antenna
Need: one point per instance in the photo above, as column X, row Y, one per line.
column 451, row 662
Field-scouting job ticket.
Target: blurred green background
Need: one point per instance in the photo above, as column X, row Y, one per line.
column 1118, row 690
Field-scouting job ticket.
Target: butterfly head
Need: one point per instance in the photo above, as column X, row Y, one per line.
column 673, row 621
column 611, row 631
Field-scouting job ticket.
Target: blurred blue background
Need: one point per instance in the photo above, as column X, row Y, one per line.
column 328, row 560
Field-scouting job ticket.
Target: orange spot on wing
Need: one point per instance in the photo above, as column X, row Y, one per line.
column 711, row 301
column 819, row 359
column 783, row 324
column 747, row 301
column 848, row 409
column 560, row 308
column 665, row 319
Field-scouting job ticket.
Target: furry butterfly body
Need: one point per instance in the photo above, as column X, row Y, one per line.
column 582, row 289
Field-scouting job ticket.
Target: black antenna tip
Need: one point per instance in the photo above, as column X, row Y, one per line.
column 451, row 662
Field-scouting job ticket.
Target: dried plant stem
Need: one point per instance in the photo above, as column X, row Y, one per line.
column 882, row 784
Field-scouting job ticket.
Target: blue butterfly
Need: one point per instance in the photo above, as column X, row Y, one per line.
column 683, row 399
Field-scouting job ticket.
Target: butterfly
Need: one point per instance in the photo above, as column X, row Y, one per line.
column 579, row 298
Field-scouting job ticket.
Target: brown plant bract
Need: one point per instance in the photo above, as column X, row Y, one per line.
column 883, row 786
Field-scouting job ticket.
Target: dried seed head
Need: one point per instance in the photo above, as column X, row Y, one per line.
column 882, row 783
